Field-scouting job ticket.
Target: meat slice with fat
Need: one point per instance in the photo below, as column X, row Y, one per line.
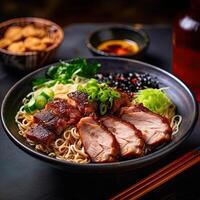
column 155, row 129
column 50, row 121
column 98, row 142
column 128, row 137
column 58, row 107
column 63, row 109
column 80, row 101
column 124, row 100
column 38, row 133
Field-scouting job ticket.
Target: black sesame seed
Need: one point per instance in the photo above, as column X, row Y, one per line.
column 131, row 82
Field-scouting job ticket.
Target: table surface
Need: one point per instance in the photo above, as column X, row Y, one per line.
column 24, row 177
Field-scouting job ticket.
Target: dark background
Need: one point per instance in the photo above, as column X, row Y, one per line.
column 66, row 12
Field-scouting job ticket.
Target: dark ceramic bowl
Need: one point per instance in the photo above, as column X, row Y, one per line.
column 178, row 92
column 29, row 61
column 118, row 32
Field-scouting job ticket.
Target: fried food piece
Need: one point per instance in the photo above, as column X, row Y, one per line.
column 40, row 32
column 13, row 33
column 34, row 44
column 17, row 47
column 28, row 31
column 48, row 41
column 4, row 42
column 31, row 31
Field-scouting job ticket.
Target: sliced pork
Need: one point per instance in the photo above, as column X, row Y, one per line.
column 62, row 109
column 155, row 129
column 128, row 137
column 80, row 101
column 98, row 142
column 58, row 106
column 56, row 116
column 43, row 116
column 50, row 121
column 40, row 134
column 124, row 100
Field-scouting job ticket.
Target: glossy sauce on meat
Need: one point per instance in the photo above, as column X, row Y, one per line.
column 128, row 137
column 50, row 121
column 98, row 142
column 56, row 116
column 155, row 129
column 80, row 101
column 63, row 109
column 43, row 116
column 40, row 134
column 58, row 107
column 124, row 100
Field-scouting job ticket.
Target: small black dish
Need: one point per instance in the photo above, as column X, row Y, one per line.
column 178, row 93
column 118, row 32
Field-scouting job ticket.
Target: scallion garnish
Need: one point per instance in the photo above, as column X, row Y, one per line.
column 101, row 93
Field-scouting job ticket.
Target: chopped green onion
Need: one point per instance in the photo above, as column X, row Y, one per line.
column 93, row 97
column 111, row 102
column 103, row 98
column 80, row 88
column 30, row 106
column 92, row 89
column 92, row 82
column 100, row 92
column 103, row 108
column 40, row 101
column 48, row 93
column 115, row 94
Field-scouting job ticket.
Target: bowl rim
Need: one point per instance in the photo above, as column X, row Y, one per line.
column 138, row 30
column 33, row 20
column 103, row 166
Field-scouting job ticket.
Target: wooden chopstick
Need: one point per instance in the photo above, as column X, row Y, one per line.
column 162, row 172
column 159, row 177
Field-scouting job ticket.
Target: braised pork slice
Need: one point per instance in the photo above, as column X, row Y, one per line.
column 80, row 100
column 62, row 109
column 58, row 107
column 40, row 134
column 43, row 116
column 124, row 100
column 128, row 137
column 155, row 129
column 50, row 121
column 98, row 142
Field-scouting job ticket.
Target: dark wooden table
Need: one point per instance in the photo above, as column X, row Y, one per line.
column 23, row 177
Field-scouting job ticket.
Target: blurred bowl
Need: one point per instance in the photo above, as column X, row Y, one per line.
column 29, row 61
column 118, row 32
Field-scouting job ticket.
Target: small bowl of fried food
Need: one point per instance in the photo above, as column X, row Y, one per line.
column 27, row 44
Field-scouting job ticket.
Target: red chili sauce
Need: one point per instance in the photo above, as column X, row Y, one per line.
column 119, row 47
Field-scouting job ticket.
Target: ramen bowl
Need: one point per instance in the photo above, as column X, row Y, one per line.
column 29, row 61
column 177, row 92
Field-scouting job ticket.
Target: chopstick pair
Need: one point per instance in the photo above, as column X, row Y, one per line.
column 160, row 177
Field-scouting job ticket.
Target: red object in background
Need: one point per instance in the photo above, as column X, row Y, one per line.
column 186, row 48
